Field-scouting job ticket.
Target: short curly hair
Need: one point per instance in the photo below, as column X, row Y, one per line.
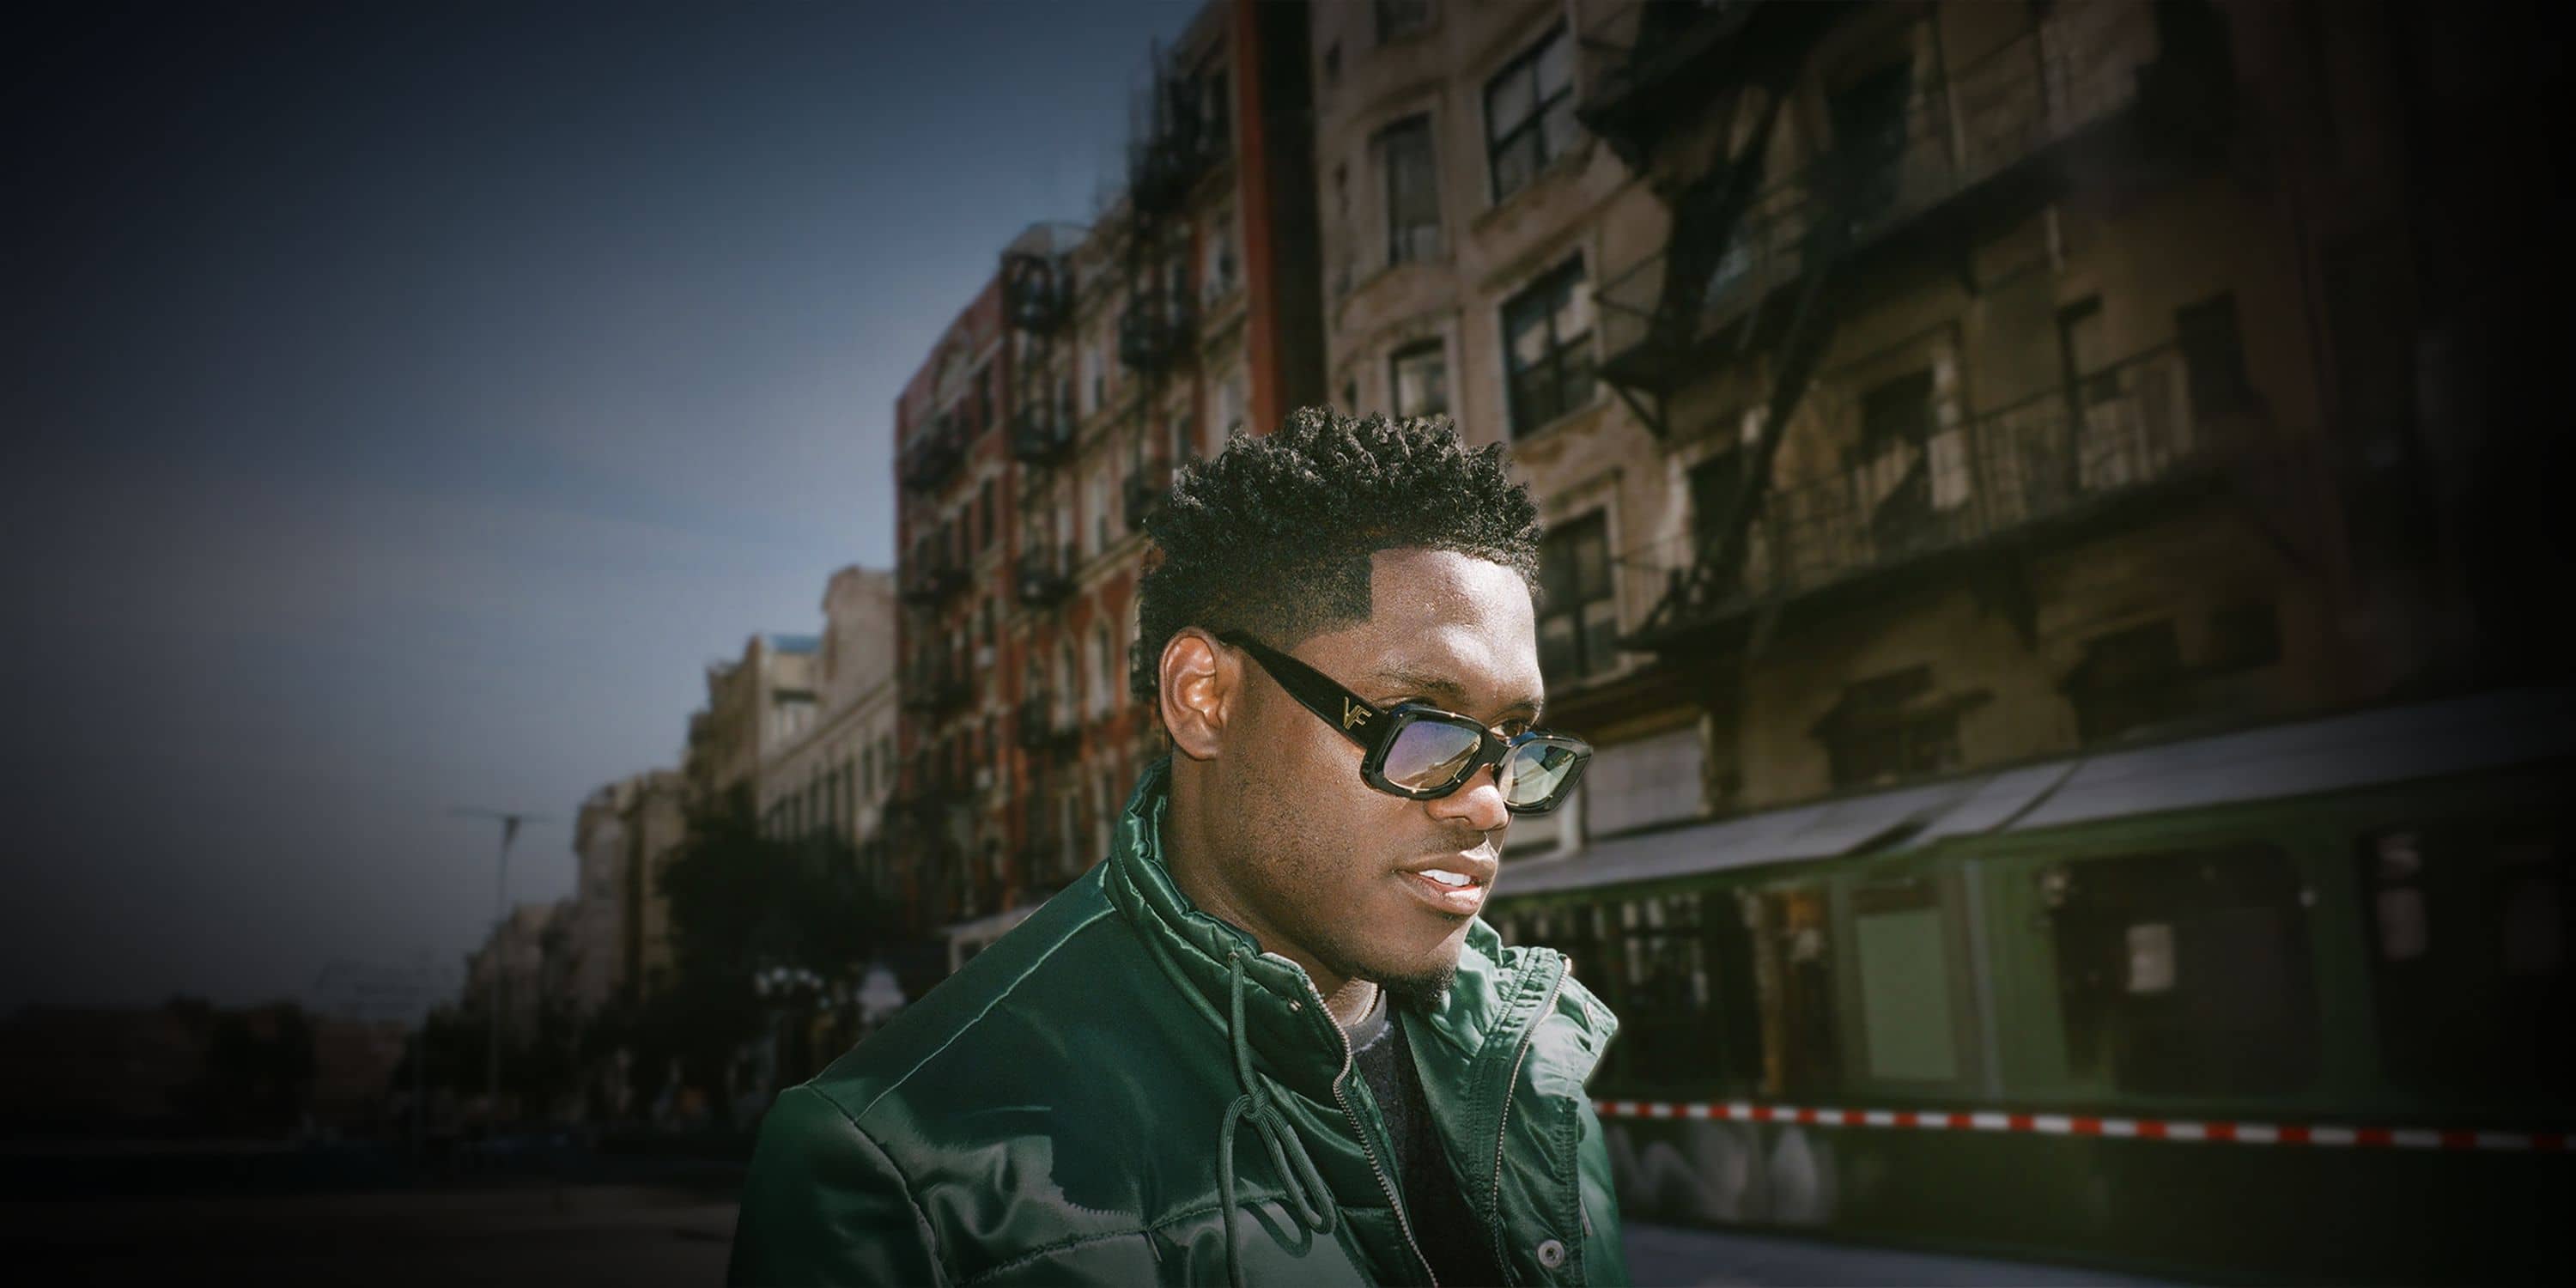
column 1273, row 535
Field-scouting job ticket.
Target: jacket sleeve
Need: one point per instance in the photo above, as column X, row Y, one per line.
column 824, row 1205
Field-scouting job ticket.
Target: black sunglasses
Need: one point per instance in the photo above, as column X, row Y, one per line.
column 1423, row 753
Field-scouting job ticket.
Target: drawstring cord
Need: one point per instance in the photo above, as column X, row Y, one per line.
column 1297, row 1174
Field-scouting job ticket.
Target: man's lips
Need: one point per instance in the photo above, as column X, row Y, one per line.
column 1454, row 883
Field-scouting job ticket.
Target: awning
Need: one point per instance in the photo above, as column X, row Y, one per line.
column 2385, row 746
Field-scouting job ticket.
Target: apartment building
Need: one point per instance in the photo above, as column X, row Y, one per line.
column 830, row 775
column 1905, row 388
column 1042, row 433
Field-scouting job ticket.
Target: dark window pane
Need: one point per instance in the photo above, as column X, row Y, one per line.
column 2185, row 972
column 2213, row 353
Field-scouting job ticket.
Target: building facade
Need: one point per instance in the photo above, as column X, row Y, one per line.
column 832, row 774
column 1041, row 434
column 1906, row 389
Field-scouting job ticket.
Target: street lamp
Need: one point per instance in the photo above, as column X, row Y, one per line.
column 510, row 822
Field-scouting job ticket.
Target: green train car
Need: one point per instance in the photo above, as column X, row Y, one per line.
column 2289, row 1003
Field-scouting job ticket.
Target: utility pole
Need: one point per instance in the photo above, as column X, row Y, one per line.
column 510, row 822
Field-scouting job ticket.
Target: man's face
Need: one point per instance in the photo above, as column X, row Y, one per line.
column 1333, row 867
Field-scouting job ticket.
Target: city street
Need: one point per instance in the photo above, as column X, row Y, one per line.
column 549, row 1235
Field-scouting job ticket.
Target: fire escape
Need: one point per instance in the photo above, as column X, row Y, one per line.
column 1759, row 267
column 1179, row 140
column 1038, row 303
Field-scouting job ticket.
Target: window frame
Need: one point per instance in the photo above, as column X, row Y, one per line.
column 1555, row 289
column 1437, row 347
column 1405, row 243
column 1499, row 141
column 1566, row 535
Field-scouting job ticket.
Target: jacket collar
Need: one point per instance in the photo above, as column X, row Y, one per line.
column 1495, row 999
column 1292, row 1037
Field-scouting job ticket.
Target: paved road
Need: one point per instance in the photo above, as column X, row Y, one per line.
column 642, row 1236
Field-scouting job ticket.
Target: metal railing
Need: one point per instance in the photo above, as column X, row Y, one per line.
column 929, row 577
column 1155, row 331
column 1967, row 125
column 1041, row 435
column 2121, row 431
column 932, row 459
column 1042, row 577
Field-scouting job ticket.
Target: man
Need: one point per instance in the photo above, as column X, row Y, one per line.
column 1267, row 1041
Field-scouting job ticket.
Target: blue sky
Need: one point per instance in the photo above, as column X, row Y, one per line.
column 403, row 407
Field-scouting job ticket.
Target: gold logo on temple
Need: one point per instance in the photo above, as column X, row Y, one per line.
column 1352, row 714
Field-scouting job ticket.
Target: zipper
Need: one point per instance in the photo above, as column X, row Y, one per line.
column 1360, row 1130
column 1502, row 1130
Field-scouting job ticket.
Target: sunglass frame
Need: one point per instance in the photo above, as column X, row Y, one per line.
column 1375, row 729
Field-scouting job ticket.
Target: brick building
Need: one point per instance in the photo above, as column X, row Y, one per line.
column 1043, row 429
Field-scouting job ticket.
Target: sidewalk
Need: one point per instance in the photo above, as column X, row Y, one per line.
column 1662, row 1256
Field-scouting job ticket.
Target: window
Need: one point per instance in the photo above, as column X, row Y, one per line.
column 2468, row 919
column 1547, row 347
column 1895, row 430
column 2244, row 636
column 984, row 515
column 1229, row 405
column 1099, row 511
column 1579, row 611
column 1419, row 375
column 1529, row 113
column 1869, row 136
column 1412, row 191
column 2128, row 679
column 1677, row 968
column 1104, row 684
column 2185, row 972
column 1888, row 727
column 2213, row 353
column 1399, row 17
column 1220, row 269
column 1713, row 486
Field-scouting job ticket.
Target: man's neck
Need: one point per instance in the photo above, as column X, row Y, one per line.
column 1347, row 999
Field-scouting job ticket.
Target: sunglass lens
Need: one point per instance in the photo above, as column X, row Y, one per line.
column 1429, row 754
column 1535, row 772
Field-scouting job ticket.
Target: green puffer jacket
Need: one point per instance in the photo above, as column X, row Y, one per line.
column 1125, row 1090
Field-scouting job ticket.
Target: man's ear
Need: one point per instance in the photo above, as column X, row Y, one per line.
column 1198, row 682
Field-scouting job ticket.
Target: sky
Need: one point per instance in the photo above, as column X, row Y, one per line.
column 400, row 405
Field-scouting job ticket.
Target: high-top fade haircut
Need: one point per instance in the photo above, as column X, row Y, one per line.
column 1274, row 534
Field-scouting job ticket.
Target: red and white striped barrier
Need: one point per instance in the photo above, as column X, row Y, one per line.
column 2320, row 1134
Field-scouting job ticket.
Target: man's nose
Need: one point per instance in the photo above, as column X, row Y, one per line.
column 1478, row 802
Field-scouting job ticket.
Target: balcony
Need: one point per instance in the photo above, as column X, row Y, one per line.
column 1145, row 491
column 929, row 580
column 2128, row 439
column 1042, row 578
column 1041, row 435
column 931, row 688
column 1649, row 64
column 933, row 459
column 1973, row 130
column 1181, row 142
column 1155, row 332
column 1041, row 729
column 1037, row 293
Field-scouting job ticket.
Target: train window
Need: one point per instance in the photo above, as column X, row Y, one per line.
column 2469, row 977
column 1907, row 1020
column 1677, row 968
column 2186, row 972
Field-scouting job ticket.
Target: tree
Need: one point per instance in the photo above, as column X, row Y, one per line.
column 742, row 902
